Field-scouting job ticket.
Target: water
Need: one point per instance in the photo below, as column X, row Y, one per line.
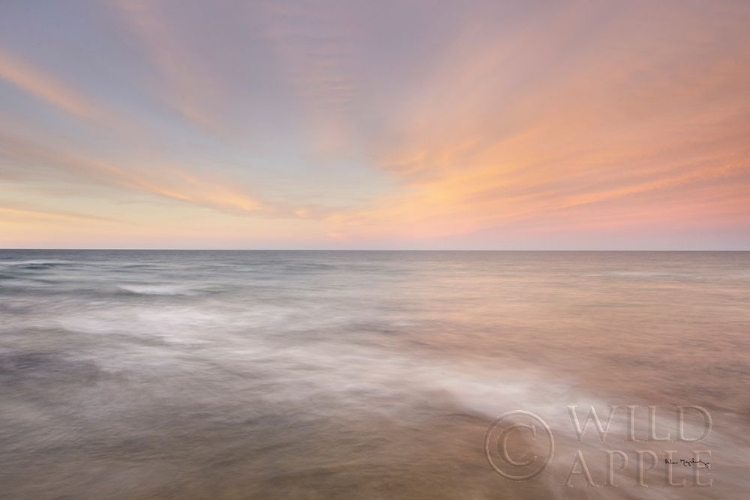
column 373, row 375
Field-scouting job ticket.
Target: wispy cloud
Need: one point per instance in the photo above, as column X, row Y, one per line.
column 186, row 84
column 316, row 46
column 44, row 86
column 510, row 128
column 26, row 213
column 166, row 181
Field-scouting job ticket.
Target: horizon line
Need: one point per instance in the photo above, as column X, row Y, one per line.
column 92, row 249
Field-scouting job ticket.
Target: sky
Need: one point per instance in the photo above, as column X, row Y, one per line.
column 389, row 124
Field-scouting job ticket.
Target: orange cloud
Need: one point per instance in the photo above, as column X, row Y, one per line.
column 509, row 129
column 160, row 180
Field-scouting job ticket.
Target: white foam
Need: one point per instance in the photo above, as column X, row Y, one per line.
column 33, row 262
column 158, row 289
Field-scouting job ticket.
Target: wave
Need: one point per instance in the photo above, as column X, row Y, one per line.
column 34, row 264
column 159, row 289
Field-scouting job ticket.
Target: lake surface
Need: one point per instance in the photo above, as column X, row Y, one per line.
column 371, row 375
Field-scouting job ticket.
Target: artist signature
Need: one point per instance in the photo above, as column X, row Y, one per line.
column 689, row 463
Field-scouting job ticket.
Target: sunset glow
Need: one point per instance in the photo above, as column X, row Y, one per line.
column 506, row 125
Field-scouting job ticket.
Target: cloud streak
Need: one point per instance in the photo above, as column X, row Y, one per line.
column 44, row 86
column 36, row 161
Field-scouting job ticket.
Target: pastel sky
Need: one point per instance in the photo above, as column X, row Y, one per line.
column 375, row 124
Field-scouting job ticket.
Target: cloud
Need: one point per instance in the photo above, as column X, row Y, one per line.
column 44, row 86
column 186, row 85
column 35, row 161
column 316, row 47
column 594, row 117
column 32, row 213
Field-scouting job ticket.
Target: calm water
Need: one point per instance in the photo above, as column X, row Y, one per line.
column 373, row 375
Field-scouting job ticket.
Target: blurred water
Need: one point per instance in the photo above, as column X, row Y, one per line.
column 133, row 375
